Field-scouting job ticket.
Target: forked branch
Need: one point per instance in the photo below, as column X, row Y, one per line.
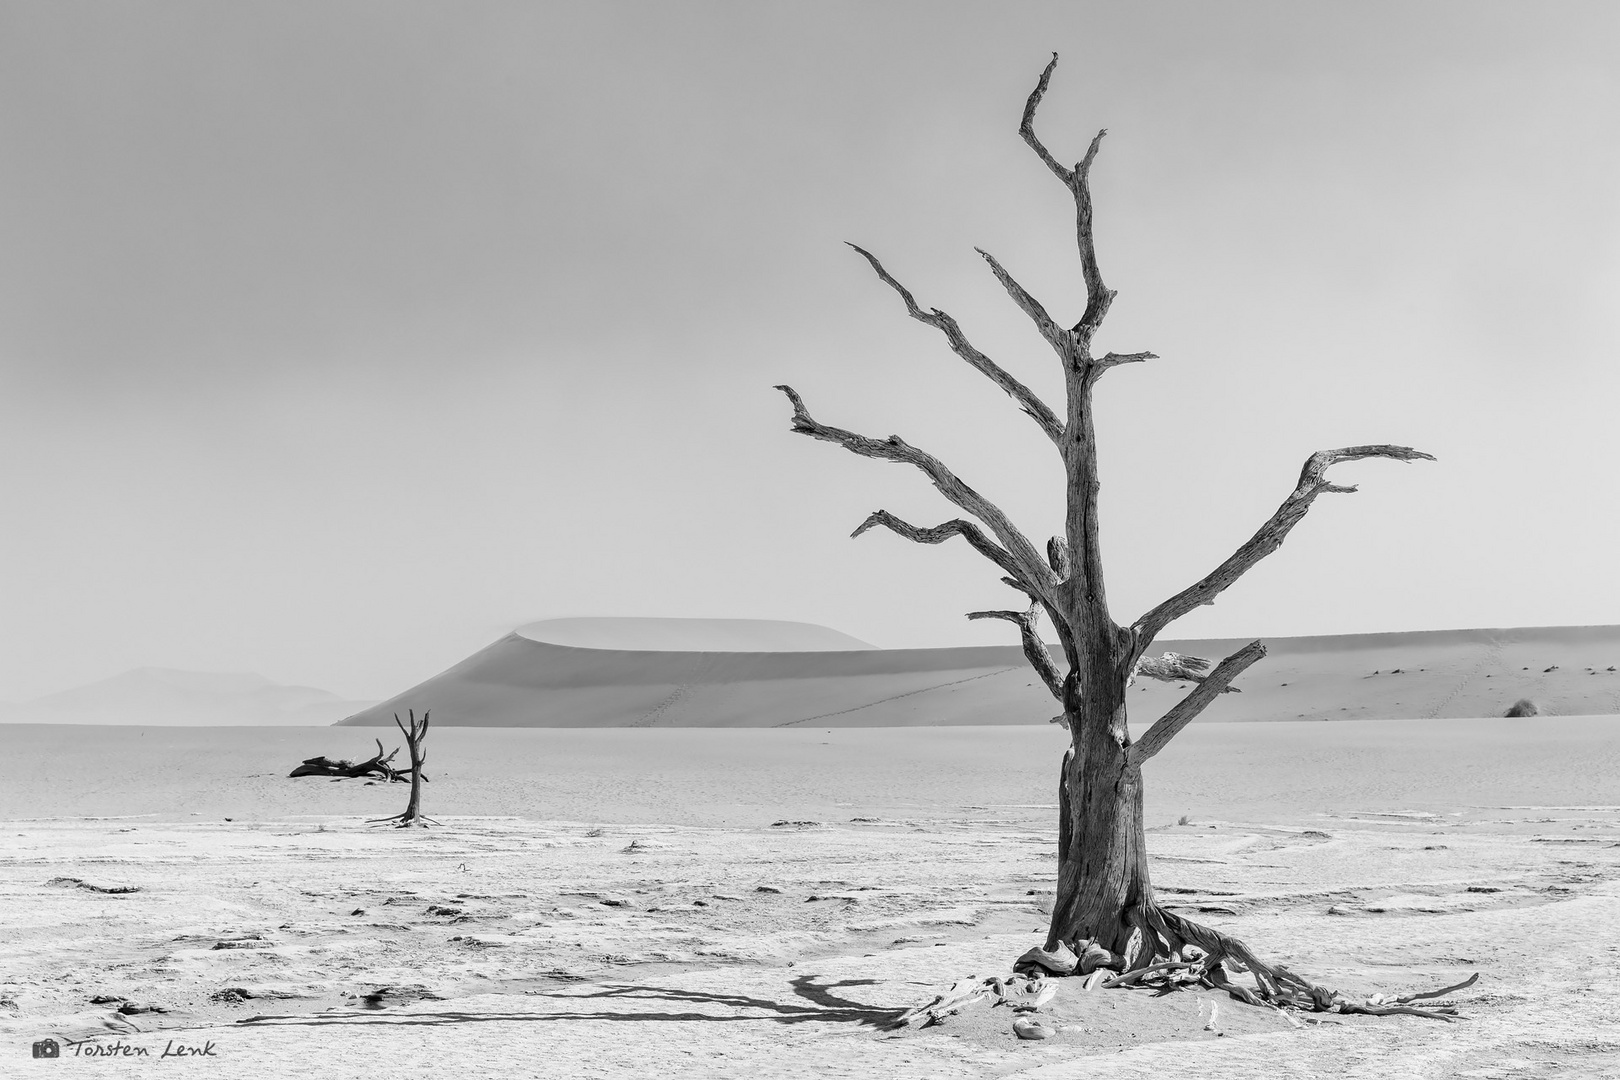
column 1027, row 564
column 1026, row 398
column 1312, row 483
column 1034, row 648
column 1078, row 181
column 1182, row 713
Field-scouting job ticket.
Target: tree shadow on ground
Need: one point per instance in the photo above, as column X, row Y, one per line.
column 818, row 1004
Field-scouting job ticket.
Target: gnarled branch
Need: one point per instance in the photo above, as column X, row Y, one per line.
column 1270, row 537
column 1027, row 400
column 1116, row 359
column 1034, row 648
column 1027, row 564
column 943, row 532
column 1182, row 713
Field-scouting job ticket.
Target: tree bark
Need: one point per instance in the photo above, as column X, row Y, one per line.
column 1102, row 851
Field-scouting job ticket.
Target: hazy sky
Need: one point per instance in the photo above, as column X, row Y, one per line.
column 339, row 338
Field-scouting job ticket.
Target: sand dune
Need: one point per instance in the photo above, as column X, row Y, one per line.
column 164, row 696
column 535, row 678
column 691, row 635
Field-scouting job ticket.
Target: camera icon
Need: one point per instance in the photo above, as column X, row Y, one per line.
column 47, row 1048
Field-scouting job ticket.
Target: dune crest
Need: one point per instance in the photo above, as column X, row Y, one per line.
column 697, row 673
column 691, row 635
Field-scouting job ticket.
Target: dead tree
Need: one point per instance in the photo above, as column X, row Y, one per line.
column 415, row 735
column 1105, row 914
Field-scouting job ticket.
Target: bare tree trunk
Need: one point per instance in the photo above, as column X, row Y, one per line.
column 1102, row 852
column 413, row 808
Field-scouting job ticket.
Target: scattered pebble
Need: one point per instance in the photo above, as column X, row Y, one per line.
column 397, row 995
column 1028, row 1027
column 247, row 941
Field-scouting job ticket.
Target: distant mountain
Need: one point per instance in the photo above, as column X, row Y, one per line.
column 166, row 697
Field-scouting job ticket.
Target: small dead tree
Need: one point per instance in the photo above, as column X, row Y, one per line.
column 1105, row 914
column 415, row 735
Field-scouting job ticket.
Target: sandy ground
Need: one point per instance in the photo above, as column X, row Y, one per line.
column 690, row 903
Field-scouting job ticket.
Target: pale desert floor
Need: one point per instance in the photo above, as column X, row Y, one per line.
column 760, row 903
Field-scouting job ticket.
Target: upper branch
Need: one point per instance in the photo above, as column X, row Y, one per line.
column 1098, row 295
column 1270, row 537
column 1027, row 563
column 1182, row 713
column 1034, row 648
column 1026, row 398
column 1061, row 340
column 1027, row 127
column 1078, row 181
column 943, row 532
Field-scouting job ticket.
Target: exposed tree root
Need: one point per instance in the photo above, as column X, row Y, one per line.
column 1168, row 953
column 1198, row 955
column 405, row 821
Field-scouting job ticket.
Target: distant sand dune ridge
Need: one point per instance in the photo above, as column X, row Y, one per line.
column 756, row 673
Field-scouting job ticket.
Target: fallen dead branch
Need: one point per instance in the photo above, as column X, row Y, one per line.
column 379, row 767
